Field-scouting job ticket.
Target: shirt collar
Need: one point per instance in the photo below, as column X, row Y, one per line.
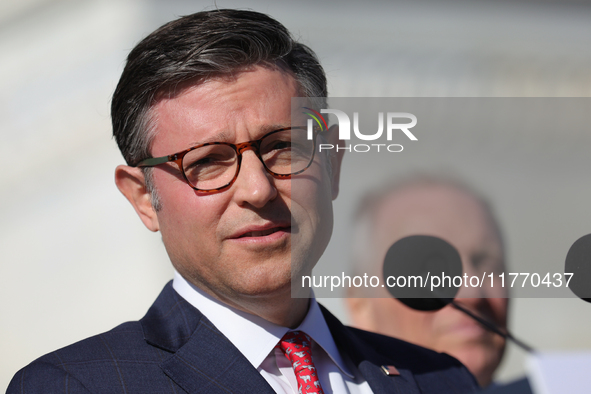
column 254, row 336
column 315, row 326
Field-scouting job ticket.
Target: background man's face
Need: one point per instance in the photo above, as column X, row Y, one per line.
column 459, row 219
column 238, row 243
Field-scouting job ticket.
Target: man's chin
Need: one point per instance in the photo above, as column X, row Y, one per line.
column 257, row 287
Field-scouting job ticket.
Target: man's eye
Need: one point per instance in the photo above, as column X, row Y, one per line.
column 199, row 163
column 209, row 161
column 277, row 145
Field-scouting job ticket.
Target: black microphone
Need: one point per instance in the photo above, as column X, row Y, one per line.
column 578, row 262
column 426, row 257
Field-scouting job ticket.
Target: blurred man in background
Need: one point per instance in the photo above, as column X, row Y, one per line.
column 451, row 211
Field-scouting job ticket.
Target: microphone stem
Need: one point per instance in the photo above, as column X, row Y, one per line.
column 492, row 327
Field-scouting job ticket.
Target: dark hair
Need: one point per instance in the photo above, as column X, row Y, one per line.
column 196, row 47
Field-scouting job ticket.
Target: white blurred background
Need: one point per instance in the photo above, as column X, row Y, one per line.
column 74, row 258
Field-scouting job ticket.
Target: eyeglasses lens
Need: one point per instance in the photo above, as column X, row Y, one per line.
column 214, row 166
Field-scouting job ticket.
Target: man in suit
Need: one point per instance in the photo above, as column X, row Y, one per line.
column 427, row 205
column 202, row 116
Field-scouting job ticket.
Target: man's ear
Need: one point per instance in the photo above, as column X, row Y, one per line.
column 131, row 182
column 335, row 157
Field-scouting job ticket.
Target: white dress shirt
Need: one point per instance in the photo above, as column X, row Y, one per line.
column 256, row 338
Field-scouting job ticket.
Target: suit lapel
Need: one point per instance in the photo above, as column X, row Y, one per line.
column 209, row 363
column 381, row 383
column 204, row 360
column 368, row 361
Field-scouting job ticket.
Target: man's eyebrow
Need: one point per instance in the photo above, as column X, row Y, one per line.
column 267, row 129
column 226, row 136
column 222, row 136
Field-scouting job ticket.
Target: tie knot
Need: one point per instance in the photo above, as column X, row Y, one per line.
column 297, row 347
column 297, row 340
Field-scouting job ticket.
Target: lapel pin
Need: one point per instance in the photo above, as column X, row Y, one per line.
column 390, row 370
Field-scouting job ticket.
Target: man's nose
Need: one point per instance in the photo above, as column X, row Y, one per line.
column 472, row 289
column 254, row 185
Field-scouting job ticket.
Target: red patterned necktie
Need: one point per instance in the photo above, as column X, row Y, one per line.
column 297, row 347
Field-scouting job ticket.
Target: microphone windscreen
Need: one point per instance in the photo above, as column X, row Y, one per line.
column 578, row 262
column 419, row 270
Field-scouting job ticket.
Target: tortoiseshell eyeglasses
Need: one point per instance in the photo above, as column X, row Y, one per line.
column 213, row 167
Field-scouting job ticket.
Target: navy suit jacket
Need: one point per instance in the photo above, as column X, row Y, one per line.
column 175, row 349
